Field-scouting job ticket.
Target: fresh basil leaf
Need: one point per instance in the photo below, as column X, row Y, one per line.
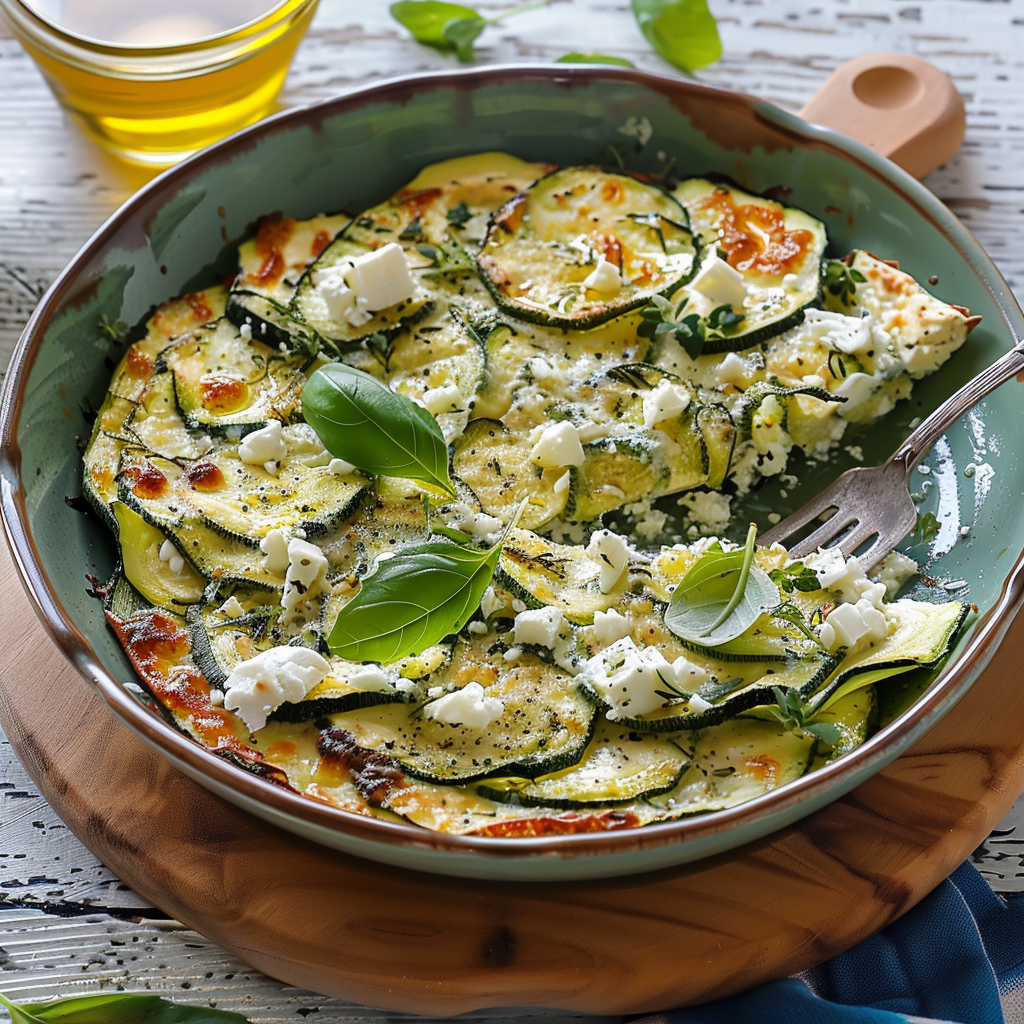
column 413, row 600
column 117, row 1008
column 721, row 597
column 461, row 33
column 361, row 420
column 594, row 58
column 427, row 19
column 684, row 32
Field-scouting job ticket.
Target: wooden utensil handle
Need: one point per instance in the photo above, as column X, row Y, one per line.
column 900, row 106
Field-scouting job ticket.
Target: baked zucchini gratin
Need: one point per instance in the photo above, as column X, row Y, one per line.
column 384, row 504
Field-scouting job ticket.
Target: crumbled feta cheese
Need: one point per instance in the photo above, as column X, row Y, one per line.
column 265, row 445
column 275, row 547
column 169, row 554
column 558, row 445
column 895, row 570
column 477, row 524
column 478, row 628
column 217, row 697
column 605, row 277
column 513, row 654
column 561, row 485
column 246, row 331
column 444, row 399
column 720, row 283
column 371, row 678
column 610, row 626
column 697, row 704
column 841, row 333
column 538, row 626
column 667, row 400
column 857, row 388
column 845, row 577
column 231, row 608
column 849, row 624
column 467, row 706
column 340, row 466
column 306, row 576
column 539, row 368
column 652, row 523
column 627, row 678
column 611, row 553
column 259, row 685
column 708, row 509
column 355, row 289
column 732, row 369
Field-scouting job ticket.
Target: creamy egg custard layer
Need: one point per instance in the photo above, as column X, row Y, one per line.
column 586, row 342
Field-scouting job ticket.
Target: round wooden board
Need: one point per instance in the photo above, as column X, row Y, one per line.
column 430, row 944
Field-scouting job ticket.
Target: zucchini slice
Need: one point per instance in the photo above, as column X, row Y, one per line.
column 241, row 501
column 226, row 382
column 269, row 268
column 540, row 572
column 148, row 573
column 543, row 247
column 776, row 249
column 495, row 464
column 619, row 767
column 155, row 423
column 545, row 726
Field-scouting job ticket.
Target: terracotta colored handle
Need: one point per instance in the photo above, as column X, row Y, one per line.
column 900, row 106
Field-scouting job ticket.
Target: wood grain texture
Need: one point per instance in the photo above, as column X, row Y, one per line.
column 341, row 925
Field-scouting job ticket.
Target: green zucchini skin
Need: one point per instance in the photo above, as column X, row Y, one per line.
column 533, row 243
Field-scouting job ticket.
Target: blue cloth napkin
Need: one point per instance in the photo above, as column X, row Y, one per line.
column 958, row 956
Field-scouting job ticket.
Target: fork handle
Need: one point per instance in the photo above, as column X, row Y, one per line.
column 931, row 428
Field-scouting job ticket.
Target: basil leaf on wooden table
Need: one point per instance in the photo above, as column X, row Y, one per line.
column 414, row 599
column 116, row 1008
column 684, row 32
column 361, row 420
column 722, row 596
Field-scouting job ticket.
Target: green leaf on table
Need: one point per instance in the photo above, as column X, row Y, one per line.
column 450, row 28
column 426, row 20
column 594, row 58
column 684, row 32
column 414, row 599
column 116, row 1008
column 361, row 420
column 722, row 596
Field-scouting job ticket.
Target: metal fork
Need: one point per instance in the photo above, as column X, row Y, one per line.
column 874, row 501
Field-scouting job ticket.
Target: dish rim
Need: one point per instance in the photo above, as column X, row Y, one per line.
column 951, row 683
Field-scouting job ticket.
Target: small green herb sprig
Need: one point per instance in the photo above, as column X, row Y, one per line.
column 796, row 716
column 116, row 1008
column 361, row 420
column 925, row 529
column 795, row 577
column 659, row 318
column 841, row 281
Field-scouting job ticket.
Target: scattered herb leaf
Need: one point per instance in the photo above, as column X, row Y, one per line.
column 361, row 420
column 684, row 32
column 447, row 258
column 412, row 232
column 842, row 280
column 659, row 317
column 721, row 596
column 791, row 711
column 414, row 599
column 926, row 529
column 115, row 330
column 796, row 576
column 459, row 215
column 594, row 58
column 116, row 1008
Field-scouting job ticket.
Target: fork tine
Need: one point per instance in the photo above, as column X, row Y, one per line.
column 828, row 531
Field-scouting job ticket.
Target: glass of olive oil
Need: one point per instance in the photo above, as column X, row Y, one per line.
column 153, row 82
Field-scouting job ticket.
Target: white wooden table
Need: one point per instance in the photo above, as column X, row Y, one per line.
column 66, row 923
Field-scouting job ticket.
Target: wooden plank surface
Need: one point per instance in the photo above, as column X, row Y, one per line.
column 65, row 921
